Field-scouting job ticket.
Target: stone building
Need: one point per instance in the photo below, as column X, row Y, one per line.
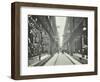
column 75, row 36
column 42, row 35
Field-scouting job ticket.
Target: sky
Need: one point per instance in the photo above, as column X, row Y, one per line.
column 60, row 23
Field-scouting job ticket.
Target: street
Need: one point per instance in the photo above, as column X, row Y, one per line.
column 55, row 40
column 61, row 59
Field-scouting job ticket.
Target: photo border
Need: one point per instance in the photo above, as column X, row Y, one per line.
column 15, row 39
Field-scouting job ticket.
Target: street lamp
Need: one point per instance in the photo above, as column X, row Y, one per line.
column 84, row 28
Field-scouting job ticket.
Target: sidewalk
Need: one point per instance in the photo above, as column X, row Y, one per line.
column 79, row 58
column 37, row 62
column 72, row 59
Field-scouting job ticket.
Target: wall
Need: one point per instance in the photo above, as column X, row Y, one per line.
column 5, row 40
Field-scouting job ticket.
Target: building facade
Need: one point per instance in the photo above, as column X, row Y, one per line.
column 42, row 40
column 75, row 36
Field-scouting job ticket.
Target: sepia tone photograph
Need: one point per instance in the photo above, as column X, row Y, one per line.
column 57, row 40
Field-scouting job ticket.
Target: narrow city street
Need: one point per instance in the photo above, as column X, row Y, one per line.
column 61, row 59
column 57, row 40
